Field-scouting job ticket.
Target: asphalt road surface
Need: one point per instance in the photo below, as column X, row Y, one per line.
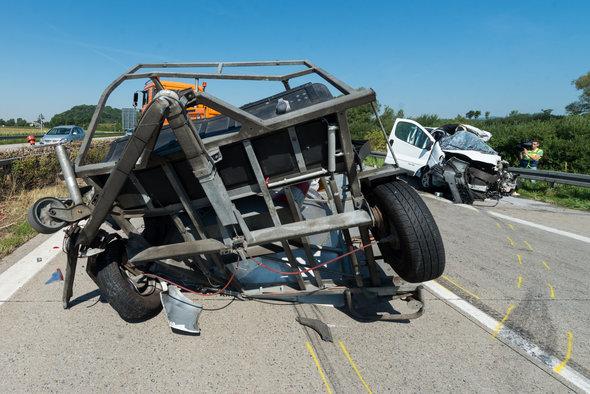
column 253, row 346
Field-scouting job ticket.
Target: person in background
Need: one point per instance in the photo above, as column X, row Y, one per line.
column 530, row 158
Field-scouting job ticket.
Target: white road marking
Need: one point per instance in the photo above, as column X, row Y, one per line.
column 435, row 198
column 508, row 336
column 467, row 206
column 21, row 272
column 541, row 227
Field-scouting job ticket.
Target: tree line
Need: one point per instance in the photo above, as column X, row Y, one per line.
column 18, row 122
column 78, row 115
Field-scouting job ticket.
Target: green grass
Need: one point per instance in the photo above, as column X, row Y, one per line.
column 563, row 195
column 8, row 130
column 373, row 161
column 17, row 235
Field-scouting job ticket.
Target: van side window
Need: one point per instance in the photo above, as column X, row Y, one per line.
column 411, row 134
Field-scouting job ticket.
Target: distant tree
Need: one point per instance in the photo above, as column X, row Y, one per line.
column 10, row 123
column 2, row 122
column 472, row 114
column 476, row 114
column 487, row 114
column 582, row 106
column 362, row 120
column 513, row 113
column 20, row 122
column 80, row 115
column 428, row 120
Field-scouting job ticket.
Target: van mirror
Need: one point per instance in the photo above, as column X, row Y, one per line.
column 135, row 99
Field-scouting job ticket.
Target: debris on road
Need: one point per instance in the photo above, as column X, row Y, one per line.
column 55, row 277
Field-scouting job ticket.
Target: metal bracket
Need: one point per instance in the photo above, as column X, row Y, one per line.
column 71, row 215
column 415, row 298
column 72, row 261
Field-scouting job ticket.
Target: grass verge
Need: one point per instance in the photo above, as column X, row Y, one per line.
column 8, row 131
column 14, row 228
column 563, row 195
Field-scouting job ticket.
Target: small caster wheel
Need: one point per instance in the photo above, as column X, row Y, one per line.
column 40, row 219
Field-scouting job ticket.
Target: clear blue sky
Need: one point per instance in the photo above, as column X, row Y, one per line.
column 421, row 56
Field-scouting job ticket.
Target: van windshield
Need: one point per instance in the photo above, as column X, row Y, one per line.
column 464, row 140
column 59, row 131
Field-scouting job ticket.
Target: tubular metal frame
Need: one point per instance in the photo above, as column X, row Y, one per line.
column 198, row 154
column 235, row 113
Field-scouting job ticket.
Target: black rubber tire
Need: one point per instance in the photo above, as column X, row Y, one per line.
column 120, row 293
column 419, row 254
column 38, row 216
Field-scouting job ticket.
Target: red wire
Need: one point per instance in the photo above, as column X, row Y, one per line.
column 363, row 247
column 192, row 291
column 314, row 267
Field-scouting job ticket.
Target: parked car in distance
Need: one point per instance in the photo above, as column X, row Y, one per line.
column 62, row 134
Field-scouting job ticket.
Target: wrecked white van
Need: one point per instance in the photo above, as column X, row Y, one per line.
column 454, row 159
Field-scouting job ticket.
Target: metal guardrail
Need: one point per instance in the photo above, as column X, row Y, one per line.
column 566, row 178
column 377, row 153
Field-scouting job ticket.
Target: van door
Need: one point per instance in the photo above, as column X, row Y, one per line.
column 411, row 144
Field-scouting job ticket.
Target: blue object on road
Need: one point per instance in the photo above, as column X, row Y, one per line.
column 55, row 277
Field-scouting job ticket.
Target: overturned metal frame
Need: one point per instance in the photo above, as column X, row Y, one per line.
column 235, row 235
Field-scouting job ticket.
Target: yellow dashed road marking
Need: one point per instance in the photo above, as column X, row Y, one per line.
column 551, row 291
column 568, row 354
column 528, row 245
column 511, row 226
column 498, row 225
column 546, row 265
column 511, row 242
column 460, row 287
column 319, row 367
column 501, row 323
column 519, row 282
column 519, row 257
column 353, row 365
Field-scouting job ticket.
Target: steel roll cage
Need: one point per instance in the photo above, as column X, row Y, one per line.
column 352, row 97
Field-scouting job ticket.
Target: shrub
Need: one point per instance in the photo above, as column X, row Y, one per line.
column 39, row 167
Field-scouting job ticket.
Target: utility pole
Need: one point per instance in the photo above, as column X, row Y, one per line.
column 40, row 119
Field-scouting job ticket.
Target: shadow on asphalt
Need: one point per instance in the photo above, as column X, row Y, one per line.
column 86, row 297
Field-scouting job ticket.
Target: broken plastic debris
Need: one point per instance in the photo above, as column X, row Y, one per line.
column 55, row 277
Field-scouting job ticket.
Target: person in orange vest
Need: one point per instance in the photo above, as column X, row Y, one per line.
column 31, row 140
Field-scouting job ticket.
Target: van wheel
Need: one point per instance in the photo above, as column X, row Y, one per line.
column 409, row 239
column 426, row 180
column 135, row 298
